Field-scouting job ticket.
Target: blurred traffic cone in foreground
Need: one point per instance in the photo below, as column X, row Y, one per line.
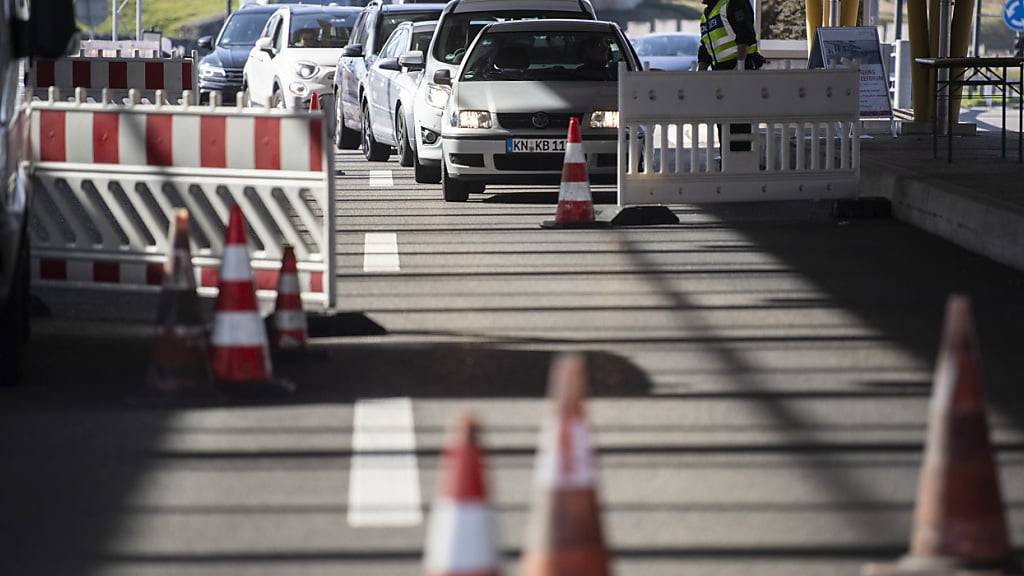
column 239, row 353
column 289, row 318
column 575, row 204
column 564, row 531
column 460, row 536
column 959, row 523
column 314, row 102
column 179, row 365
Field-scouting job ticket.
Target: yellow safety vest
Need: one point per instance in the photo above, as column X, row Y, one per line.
column 718, row 36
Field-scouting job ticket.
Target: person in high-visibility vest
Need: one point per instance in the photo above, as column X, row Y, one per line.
column 727, row 36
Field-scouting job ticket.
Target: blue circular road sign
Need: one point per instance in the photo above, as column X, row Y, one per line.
column 1013, row 15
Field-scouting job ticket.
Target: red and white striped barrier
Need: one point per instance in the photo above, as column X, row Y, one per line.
column 109, row 178
column 117, row 75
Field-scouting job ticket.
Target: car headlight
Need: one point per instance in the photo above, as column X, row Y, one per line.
column 437, row 96
column 306, row 70
column 298, row 88
column 209, row 70
column 474, row 119
column 604, row 119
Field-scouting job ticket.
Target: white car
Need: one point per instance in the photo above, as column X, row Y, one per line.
column 456, row 28
column 508, row 116
column 296, row 55
column 391, row 85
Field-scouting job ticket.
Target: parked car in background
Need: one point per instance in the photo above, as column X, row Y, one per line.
column 296, row 55
column 456, row 29
column 671, row 51
column 221, row 69
column 515, row 92
column 372, row 30
column 391, row 85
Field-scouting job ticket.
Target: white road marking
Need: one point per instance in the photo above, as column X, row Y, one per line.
column 380, row 252
column 384, row 481
column 381, row 179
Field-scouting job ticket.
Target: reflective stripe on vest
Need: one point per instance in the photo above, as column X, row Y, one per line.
column 717, row 34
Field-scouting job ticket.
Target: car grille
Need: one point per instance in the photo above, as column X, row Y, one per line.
column 233, row 75
column 520, row 120
column 529, row 161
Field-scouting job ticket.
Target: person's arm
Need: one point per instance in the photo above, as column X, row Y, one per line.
column 703, row 58
column 741, row 17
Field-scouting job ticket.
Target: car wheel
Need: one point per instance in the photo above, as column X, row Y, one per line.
column 454, row 190
column 14, row 321
column 372, row 150
column 345, row 138
column 405, row 156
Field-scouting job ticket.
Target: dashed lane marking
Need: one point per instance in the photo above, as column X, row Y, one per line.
column 380, row 252
column 381, row 179
column 384, row 482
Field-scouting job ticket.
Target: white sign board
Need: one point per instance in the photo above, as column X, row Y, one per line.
column 837, row 47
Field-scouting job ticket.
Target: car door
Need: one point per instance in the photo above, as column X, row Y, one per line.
column 379, row 82
column 260, row 62
column 352, row 68
column 277, row 60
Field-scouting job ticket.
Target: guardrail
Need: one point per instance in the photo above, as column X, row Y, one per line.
column 117, row 76
column 682, row 140
column 107, row 179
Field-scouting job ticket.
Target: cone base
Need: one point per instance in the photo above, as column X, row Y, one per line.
column 554, row 225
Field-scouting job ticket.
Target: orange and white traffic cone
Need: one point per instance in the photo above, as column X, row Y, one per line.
column 239, row 354
column 289, row 318
column 179, row 365
column 575, row 203
column 959, row 521
column 460, row 535
column 564, row 533
column 314, row 102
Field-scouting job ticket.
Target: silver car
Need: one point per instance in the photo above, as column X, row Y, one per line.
column 391, row 85
column 520, row 82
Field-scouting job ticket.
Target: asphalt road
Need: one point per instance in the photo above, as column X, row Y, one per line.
column 760, row 378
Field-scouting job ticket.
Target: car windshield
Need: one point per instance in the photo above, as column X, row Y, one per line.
column 243, row 29
column 676, row 45
column 320, row 30
column 459, row 30
column 389, row 21
column 550, row 56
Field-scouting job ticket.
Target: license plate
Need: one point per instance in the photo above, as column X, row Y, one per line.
column 513, row 145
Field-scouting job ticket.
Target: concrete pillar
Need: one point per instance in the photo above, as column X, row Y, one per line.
column 917, row 25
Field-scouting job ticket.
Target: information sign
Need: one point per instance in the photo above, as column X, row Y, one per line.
column 840, row 47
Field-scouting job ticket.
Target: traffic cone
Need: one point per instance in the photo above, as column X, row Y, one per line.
column 179, row 365
column 314, row 102
column 564, row 531
column 289, row 318
column 239, row 353
column 575, row 204
column 959, row 522
column 460, row 535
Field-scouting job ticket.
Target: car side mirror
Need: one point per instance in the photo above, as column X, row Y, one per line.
column 353, row 51
column 389, row 64
column 412, row 60
column 443, row 77
column 205, row 43
column 265, row 44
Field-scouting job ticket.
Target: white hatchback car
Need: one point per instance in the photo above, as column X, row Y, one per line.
column 296, row 55
column 520, row 82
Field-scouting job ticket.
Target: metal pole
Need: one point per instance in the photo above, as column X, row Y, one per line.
column 898, row 19
column 227, row 8
column 113, row 20
column 833, row 13
column 758, row 7
column 976, row 34
column 138, row 20
column 942, row 74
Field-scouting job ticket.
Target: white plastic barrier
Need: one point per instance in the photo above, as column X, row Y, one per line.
column 117, row 76
column 676, row 145
column 108, row 179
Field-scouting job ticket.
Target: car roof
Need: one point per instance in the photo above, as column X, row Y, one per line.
column 425, row 24
column 503, row 5
column 315, row 9
column 257, row 8
column 551, row 24
column 412, row 7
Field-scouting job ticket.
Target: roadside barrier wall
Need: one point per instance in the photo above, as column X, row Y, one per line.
column 108, row 178
column 117, row 75
column 681, row 140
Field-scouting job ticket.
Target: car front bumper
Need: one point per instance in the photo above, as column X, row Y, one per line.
column 486, row 158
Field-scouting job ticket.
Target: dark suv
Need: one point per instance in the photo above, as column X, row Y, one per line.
column 221, row 69
column 371, row 31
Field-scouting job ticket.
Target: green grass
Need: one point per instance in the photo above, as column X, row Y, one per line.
column 166, row 16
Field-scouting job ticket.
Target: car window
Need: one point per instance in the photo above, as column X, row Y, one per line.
column 544, row 55
column 391, row 20
column 457, row 31
column 357, row 30
column 421, row 40
column 243, row 28
column 678, row 45
column 320, row 30
column 277, row 40
column 268, row 30
column 394, row 44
